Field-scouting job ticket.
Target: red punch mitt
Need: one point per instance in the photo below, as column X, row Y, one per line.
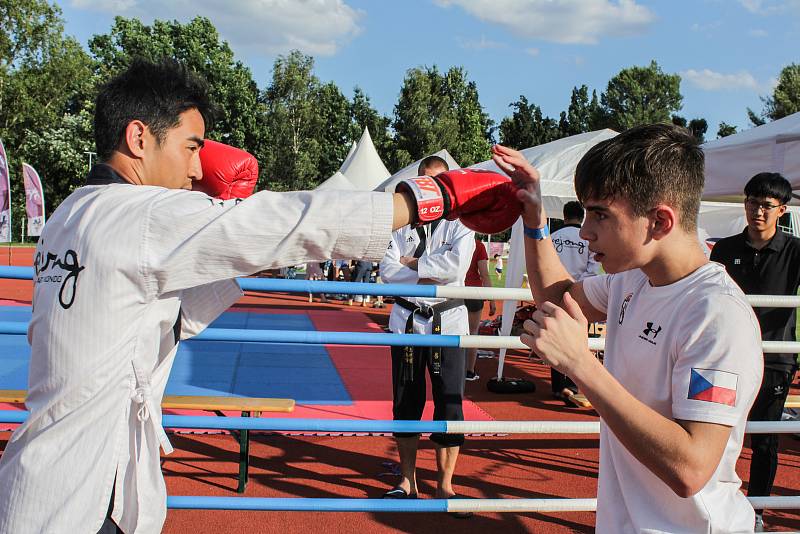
column 484, row 201
column 228, row 172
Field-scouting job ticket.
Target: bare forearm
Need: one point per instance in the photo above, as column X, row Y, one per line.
column 404, row 210
column 548, row 278
column 682, row 461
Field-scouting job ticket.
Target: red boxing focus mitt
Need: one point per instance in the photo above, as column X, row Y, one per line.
column 484, row 201
column 228, row 172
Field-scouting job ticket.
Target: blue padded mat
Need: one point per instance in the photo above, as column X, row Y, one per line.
column 301, row 372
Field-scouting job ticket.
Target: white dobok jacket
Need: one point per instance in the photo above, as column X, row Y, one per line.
column 114, row 266
column 445, row 262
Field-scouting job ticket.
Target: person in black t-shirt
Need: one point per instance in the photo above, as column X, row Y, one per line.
column 763, row 260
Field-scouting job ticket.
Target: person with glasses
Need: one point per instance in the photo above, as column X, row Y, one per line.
column 764, row 260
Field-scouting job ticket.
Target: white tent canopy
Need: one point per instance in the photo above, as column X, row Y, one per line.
column 410, row 171
column 733, row 160
column 337, row 182
column 556, row 162
column 363, row 166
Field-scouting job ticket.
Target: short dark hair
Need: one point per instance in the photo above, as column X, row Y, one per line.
column 573, row 210
column 432, row 161
column 769, row 185
column 646, row 165
column 155, row 93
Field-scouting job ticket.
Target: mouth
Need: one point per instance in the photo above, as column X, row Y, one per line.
column 598, row 256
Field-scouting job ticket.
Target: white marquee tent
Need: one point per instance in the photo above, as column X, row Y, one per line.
column 363, row 167
column 733, row 160
column 337, row 182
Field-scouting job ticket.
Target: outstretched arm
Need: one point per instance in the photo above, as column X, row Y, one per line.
column 548, row 278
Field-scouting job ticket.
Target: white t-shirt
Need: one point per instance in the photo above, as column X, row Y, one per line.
column 574, row 253
column 691, row 351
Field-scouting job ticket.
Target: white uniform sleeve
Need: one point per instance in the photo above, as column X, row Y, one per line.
column 200, row 306
column 192, row 240
column 449, row 263
column 597, row 289
column 392, row 271
column 719, row 361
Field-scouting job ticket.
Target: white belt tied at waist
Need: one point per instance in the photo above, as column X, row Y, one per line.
column 144, row 398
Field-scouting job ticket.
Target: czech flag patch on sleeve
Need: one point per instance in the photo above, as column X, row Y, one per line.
column 711, row 385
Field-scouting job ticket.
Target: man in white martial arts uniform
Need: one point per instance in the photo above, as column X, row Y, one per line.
column 135, row 261
column 437, row 254
column 683, row 352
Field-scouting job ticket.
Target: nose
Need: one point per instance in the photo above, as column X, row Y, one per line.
column 196, row 167
column 584, row 232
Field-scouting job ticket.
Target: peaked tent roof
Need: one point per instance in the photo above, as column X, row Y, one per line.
column 337, row 182
column 410, row 171
column 733, row 160
column 364, row 168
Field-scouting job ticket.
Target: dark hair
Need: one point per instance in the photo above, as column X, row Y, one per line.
column 154, row 93
column 646, row 165
column 573, row 210
column 769, row 185
column 431, row 161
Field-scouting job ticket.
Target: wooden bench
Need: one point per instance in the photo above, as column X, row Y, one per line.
column 247, row 406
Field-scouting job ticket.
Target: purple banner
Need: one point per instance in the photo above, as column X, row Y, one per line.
column 34, row 200
column 5, row 198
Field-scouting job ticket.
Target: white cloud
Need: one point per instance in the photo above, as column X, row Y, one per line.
column 561, row 21
column 317, row 27
column 769, row 7
column 709, row 80
column 758, row 32
column 481, row 44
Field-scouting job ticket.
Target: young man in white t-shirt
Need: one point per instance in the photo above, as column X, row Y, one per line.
column 683, row 352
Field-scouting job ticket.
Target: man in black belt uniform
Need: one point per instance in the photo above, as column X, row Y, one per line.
column 763, row 260
column 438, row 254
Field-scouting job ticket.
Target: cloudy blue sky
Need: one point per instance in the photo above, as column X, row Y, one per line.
column 728, row 52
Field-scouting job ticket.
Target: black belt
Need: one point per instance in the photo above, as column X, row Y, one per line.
column 429, row 312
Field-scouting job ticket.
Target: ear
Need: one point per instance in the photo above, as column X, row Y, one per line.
column 135, row 138
column 664, row 219
column 782, row 210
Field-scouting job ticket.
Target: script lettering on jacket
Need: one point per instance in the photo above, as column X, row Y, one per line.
column 69, row 281
column 561, row 243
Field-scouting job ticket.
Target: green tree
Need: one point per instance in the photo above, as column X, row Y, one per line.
column 527, row 126
column 583, row 114
column 698, row 127
column 334, row 129
column 197, row 44
column 725, row 130
column 365, row 116
column 436, row 111
column 641, row 95
column 44, row 79
column 785, row 99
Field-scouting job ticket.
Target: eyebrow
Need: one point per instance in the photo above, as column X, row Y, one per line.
column 596, row 208
column 197, row 140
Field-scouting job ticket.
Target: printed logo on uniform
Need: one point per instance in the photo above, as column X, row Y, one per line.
column 737, row 261
column 650, row 333
column 713, row 385
column 560, row 244
column 624, row 307
column 45, row 267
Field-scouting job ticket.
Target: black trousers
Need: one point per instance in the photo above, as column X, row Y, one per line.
column 767, row 407
column 559, row 381
column 447, row 388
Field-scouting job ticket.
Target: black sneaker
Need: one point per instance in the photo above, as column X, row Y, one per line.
column 471, row 376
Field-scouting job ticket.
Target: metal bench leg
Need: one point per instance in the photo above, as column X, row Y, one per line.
column 244, row 457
